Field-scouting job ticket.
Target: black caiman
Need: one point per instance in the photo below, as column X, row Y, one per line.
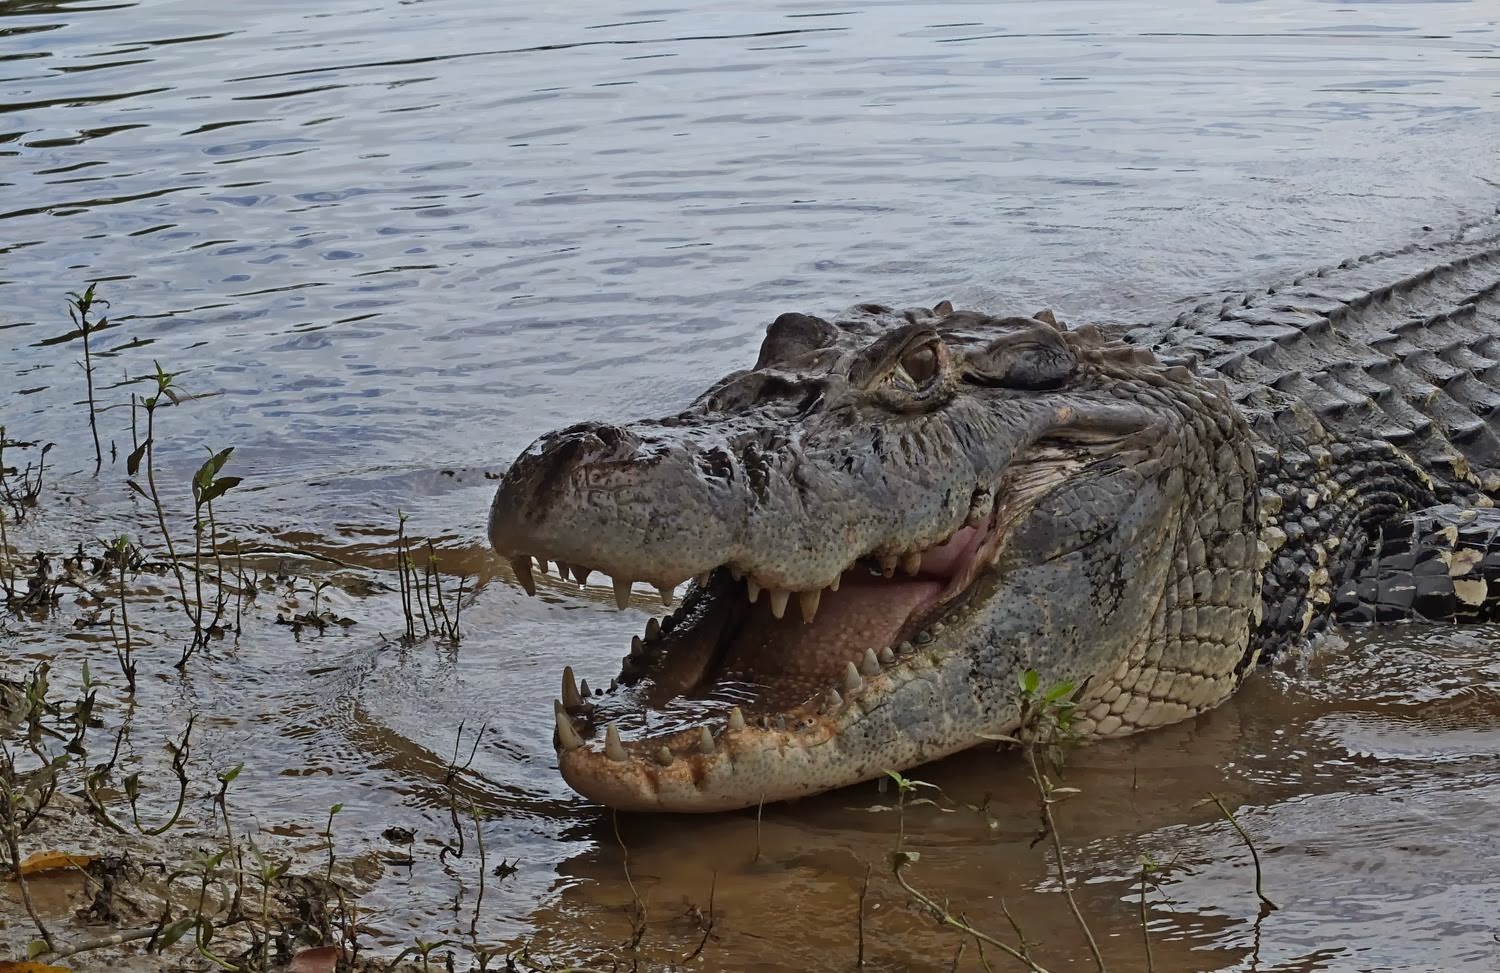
column 895, row 513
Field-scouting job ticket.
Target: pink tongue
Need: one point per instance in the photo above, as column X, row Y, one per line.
column 794, row 661
column 944, row 559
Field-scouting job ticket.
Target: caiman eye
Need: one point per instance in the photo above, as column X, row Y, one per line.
column 917, row 367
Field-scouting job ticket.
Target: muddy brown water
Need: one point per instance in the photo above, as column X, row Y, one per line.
column 391, row 242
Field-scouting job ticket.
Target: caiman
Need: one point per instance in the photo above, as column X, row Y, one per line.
column 896, row 513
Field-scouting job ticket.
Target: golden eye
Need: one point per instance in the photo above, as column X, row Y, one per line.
column 919, row 365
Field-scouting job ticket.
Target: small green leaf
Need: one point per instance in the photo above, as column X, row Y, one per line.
column 1030, row 680
column 176, row 931
column 228, row 776
column 1058, row 692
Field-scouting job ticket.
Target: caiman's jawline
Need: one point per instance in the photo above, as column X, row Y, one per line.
column 753, row 671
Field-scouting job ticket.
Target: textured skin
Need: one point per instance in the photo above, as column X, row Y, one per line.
column 1177, row 501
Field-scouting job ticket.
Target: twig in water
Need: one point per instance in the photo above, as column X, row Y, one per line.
column 638, row 921
column 864, row 891
column 1266, row 905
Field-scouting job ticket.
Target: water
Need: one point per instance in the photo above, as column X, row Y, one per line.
column 390, row 242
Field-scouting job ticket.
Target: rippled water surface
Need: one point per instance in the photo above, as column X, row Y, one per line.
column 388, row 243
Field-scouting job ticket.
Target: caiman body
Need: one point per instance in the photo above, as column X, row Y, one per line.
column 894, row 514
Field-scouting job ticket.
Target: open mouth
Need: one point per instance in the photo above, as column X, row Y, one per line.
column 739, row 665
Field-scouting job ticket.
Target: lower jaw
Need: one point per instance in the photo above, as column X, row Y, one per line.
column 752, row 765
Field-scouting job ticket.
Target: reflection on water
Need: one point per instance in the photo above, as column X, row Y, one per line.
column 393, row 241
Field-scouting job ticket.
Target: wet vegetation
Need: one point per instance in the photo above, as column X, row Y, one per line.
column 146, row 833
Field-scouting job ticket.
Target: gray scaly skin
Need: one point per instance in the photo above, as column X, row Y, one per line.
column 1141, row 512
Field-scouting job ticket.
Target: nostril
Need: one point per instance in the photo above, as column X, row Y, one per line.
column 610, row 436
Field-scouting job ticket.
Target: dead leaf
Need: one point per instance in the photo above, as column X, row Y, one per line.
column 29, row 966
column 53, row 861
column 319, row 959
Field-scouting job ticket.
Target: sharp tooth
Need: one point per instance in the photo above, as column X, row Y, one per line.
column 834, row 584
column 852, row 681
column 736, row 718
column 583, row 689
column 888, row 565
column 541, row 563
column 664, row 756
column 581, row 575
column 622, row 592
column 570, row 699
column 832, row 701
column 778, row 602
column 780, row 722
column 567, row 737
column 911, row 563
column 905, row 647
column 613, row 748
column 666, row 593
column 809, row 601
column 752, row 589
column 736, row 573
column 869, row 665
column 653, row 629
column 885, row 655
column 704, row 578
column 637, row 647
column 705, row 740
column 562, row 571
column 522, row 567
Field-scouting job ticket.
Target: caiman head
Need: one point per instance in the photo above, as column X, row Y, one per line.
column 882, row 525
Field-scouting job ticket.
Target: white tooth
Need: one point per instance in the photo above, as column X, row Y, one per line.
column 653, row 629
column 888, row 565
column 869, row 665
column 583, row 689
column 613, row 748
column 736, row 573
column 809, row 601
column 832, row 701
column 911, row 563
column 704, row 578
column 778, row 602
column 752, row 589
column 705, row 740
column 834, row 584
column 637, row 647
column 905, row 647
column 664, row 756
column 570, row 699
column 567, row 737
column 736, row 718
column 885, row 655
column 522, row 567
column 622, row 592
column 665, row 593
column 852, row 681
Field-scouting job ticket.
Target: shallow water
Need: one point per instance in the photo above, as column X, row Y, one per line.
column 391, row 242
